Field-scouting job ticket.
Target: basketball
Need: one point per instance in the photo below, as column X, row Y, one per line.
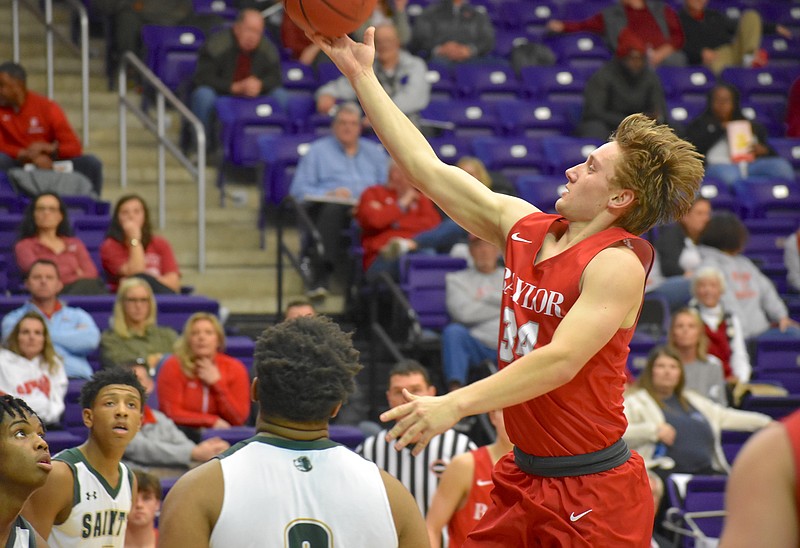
column 331, row 18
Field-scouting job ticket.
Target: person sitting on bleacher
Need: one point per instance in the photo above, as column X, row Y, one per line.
column 45, row 233
column 34, row 130
column 134, row 333
column 452, row 31
column 74, row 333
column 131, row 249
column 30, row 369
column 723, row 329
column 749, row 293
column 199, row 386
column 708, row 132
column 141, row 531
column 791, row 259
column 159, row 443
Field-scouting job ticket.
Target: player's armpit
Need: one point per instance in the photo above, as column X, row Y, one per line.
column 411, row 531
column 51, row 504
column 192, row 508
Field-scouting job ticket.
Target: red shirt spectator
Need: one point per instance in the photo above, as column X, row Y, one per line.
column 38, row 120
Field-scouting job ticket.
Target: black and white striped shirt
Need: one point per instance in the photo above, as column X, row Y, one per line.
column 420, row 474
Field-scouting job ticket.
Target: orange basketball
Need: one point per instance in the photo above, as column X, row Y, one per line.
column 331, row 18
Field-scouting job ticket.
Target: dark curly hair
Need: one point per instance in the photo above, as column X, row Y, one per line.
column 28, row 228
column 15, row 407
column 101, row 379
column 304, row 367
column 115, row 231
column 726, row 232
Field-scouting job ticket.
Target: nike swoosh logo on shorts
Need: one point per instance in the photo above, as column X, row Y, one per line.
column 573, row 517
column 483, row 483
column 517, row 238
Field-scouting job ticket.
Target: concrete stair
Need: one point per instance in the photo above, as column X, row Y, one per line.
column 239, row 274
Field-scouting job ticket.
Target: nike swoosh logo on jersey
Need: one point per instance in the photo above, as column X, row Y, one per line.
column 483, row 483
column 573, row 517
column 517, row 238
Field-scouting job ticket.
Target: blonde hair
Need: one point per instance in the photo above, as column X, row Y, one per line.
column 663, row 170
column 182, row 348
column 120, row 326
column 481, row 173
column 708, row 273
column 702, row 339
column 48, row 354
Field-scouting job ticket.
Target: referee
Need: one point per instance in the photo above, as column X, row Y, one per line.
column 419, row 474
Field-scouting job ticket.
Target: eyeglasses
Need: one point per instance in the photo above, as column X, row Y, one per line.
column 141, row 300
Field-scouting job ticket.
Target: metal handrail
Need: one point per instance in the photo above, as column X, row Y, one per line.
column 50, row 31
column 196, row 170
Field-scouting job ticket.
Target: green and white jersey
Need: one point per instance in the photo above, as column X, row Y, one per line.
column 22, row 535
column 294, row 494
column 99, row 515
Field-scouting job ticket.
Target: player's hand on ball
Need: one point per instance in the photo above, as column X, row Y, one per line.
column 352, row 58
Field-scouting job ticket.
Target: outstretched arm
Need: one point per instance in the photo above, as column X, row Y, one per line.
column 468, row 202
column 450, row 495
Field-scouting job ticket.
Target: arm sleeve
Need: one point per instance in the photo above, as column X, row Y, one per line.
column 232, row 391
column 640, row 430
column 80, row 336
column 484, row 42
column 207, row 73
column 772, row 303
column 68, row 144
column 373, row 214
column 305, row 176
column 160, row 444
column 113, row 351
column 339, row 88
column 58, row 391
column 463, row 304
column 791, row 258
column 168, row 262
column 113, row 255
column 170, row 386
column 595, row 24
column 675, row 37
column 270, row 74
column 85, row 261
column 23, row 251
column 415, row 94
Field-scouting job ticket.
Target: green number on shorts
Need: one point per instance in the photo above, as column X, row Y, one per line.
column 308, row 534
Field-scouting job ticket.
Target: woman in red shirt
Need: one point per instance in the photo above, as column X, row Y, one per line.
column 199, row 386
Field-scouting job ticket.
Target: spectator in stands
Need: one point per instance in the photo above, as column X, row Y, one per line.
column 141, row 531
column 298, row 308
column 419, row 474
column 708, row 132
column 199, row 386
column 653, row 21
column 30, row 368
column 791, row 259
column 394, row 210
column 723, row 329
column 749, row 294
column 452, row 31
column 717, row 41
column 72, row 330
column 675, row 428
column 160, row 445
column 473, row 303
column 464, row 491
column 35, row 130
column 447, row 233
column 622, row 86
column 237, row 61
column 131, row 249
column 677, row 252
column 793, row 110
column 45, row 233
column 134, row 332
column 387, row 12
column 401, row 74
column 703, row 371
column 329, row 180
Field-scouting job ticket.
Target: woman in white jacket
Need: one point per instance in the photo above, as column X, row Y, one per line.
column 31, row 370
column 682, row 424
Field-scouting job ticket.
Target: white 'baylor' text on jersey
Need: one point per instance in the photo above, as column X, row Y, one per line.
column 292, row 494
column 99, row 515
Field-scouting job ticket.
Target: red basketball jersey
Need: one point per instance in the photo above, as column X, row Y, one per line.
column 585, row 415
column 465, row 518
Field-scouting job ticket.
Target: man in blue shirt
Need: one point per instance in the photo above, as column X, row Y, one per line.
column 72, row 330
column 329, row 181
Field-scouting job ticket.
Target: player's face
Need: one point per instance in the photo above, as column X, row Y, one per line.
column 31, row 338
column 414, row 383
column 24, row 455
column 203, row 339
column 144, row 510
column 666, row 374
column 47, row 213
column 116, row 413
column 43, row 281
column 588, row 191
column 136, row 305
column 708, row 291
column 685, row 331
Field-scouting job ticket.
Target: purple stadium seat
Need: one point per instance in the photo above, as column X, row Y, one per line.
column 9, row 227
column 580, row 49
column 732, row 442
column 776, row 407
column 172, row 52
column 85, row 205
column 540, row 190
column 762, row 82
column 771, row 199
column 565, row 152
column 350, row 436
column 765, row 242
column 556, row 83
column 768, row 111
column 789, row 149
column 782, row 52
column 450, row 149
column 523, row 15
column 469, row 118
column 537, row 118
column 327, row 72
column 220, row 8
column 297, row 76
column 241, row 348
column 440, row 77
column 720, row 196
column 58, row 440
column 507, row 39
column 686, row 82
column 776, row 353
column 422, row 278
column 513, row 155
column 232, row 435
column 486, row 81
column 302, row 111
column 174, row 310
column 680, row 112
column 690, row 499
column 787, row 377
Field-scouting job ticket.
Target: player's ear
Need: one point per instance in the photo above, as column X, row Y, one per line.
column 88, row 418
column 622, row 198
column 254, row 390
column 336, row 409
